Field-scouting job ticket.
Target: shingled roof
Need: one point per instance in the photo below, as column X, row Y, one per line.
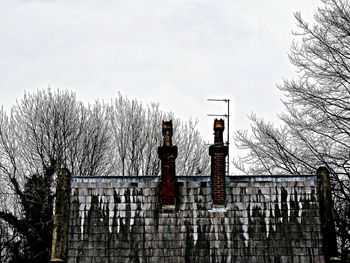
column 266, row 219
column 217, row 218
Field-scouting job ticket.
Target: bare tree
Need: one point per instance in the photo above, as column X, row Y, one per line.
column 317, row 116
column 45, row 130
column 88, row 155
column 55, row 126
column 133, row 131
column 136, row 135
column 270, row 150
column 193, row 157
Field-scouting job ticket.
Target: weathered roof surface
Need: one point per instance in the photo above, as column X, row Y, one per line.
column 267, row 219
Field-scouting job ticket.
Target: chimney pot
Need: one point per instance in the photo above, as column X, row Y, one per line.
column 167, row 131
column 219, row 124
column 219, row 127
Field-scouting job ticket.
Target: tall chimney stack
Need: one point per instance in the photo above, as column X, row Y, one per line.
column 168, row 153
column 218, row 152
column 61, row 217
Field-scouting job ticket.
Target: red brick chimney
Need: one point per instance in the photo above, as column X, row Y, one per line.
column 168, row 153
column 218, row 152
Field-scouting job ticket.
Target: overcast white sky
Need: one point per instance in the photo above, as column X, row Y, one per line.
column 177, row 53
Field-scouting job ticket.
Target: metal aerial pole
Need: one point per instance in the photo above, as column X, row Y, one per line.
column 227, row 116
